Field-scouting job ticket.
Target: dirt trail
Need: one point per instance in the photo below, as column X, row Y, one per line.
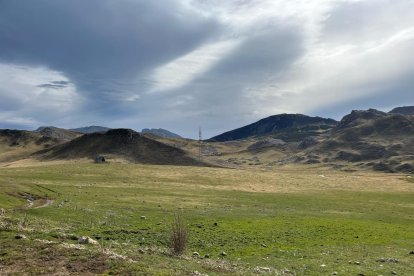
column 46, row 204
column 32, row 201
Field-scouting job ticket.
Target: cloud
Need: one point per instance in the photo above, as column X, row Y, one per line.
column 178, row 64
column 35, row 95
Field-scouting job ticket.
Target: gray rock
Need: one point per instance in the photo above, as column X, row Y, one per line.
column 223, row 254
column 20, row 237
column 387, row 260
column 196, row 254
column 86, row 240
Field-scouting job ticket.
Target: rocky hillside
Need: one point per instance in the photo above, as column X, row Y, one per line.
column 367, row 138
column 287, row 127
column 119, row 143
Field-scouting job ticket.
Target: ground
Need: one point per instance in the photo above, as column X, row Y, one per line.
column 294, row 220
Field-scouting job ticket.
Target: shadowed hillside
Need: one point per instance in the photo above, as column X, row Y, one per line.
column 288, row 127
column 119, row 143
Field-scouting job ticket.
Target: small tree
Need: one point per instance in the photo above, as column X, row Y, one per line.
column 179, row 235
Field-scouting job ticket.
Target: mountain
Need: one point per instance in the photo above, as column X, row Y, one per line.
column 288, row 127
column 404, row 110
column 368, row 138
column 161, row 132
column 119, row 143
column 90, row 129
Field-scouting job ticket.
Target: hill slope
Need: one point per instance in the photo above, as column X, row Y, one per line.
column 20, row 144
column 119, row 143
column 369, row 138
column 288, row 127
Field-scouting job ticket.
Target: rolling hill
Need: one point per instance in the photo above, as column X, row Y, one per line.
column 20, row 144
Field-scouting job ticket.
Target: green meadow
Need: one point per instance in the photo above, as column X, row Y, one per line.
column 293, row 221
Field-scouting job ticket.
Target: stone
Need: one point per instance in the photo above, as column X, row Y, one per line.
column 20, row 237
column 393, row 272
column 143, row 217
column 196, row 254
column 223, row 254
column 411, row 252
column 86, row 240
column 334, row 273
column 263, row 245
column 387, row 260
column 206, row 256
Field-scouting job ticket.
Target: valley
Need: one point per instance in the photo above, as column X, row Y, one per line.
column 301, row 200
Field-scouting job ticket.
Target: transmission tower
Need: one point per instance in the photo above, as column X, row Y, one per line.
column 200, row 144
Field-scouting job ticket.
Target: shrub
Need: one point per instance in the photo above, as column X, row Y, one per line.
column 179, row 235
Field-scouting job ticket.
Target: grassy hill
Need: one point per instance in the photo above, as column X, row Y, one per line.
column 20, row 144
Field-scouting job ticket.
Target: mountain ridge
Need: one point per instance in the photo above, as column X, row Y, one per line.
column 278, row 125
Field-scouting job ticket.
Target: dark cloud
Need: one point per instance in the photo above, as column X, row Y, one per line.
column 55, row 85
column 100, row 45
column 221, row 92
column 386, row 97
column 107, row 62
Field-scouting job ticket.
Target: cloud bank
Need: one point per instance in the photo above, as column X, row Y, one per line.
column 181, row 64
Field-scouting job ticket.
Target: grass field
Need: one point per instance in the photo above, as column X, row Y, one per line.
column 293, row 221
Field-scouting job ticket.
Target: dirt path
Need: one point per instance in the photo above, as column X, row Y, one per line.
column 46, row 204
column 31, row 202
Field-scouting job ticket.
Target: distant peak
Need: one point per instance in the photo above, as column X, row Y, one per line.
column 161, row 132
column 404, row 110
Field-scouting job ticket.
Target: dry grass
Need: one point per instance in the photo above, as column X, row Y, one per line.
column 179, row 235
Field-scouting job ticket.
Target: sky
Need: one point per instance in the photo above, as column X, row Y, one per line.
column 214, row 64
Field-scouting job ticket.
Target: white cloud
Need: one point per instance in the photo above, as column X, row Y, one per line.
column 31, row 95
column 182, row 70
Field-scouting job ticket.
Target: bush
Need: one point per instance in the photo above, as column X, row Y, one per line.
column 179, row 236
